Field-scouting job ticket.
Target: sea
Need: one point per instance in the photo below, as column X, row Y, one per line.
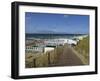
column 52, row 36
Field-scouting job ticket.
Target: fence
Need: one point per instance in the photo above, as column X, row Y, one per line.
column 43, row 59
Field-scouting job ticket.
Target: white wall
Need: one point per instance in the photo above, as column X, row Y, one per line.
column 46, row 49
column 5, row 40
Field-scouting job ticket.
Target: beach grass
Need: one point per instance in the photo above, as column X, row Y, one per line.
column 83, row 49
column 42, row 59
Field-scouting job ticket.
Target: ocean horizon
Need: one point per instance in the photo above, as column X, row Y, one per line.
column 51, row 36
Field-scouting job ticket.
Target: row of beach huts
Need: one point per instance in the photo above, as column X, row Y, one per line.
column 44, row 45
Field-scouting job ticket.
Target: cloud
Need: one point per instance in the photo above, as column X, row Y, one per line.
column 66, row 16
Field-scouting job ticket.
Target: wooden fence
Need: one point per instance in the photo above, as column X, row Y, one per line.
column 44, row 59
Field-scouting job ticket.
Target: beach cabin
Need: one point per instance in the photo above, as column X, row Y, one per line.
column 80, row 37
column 57, row 42
column 47, row 49
column 54, row 42
column 34, row 49
column 39, row 49
column 71, row 42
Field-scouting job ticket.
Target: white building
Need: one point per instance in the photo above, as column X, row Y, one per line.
column 80, row 37
column 38, row 49
column 72, row 42
column 43, row 47
column 46, row 49
column 34, row 49
column 57, row 42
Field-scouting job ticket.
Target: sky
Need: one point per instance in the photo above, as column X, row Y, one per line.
column 56, row 23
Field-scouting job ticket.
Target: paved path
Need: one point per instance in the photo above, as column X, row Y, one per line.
column 68, row 58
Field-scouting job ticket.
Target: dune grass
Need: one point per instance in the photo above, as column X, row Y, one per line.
column 42, row 59
column 83, row 49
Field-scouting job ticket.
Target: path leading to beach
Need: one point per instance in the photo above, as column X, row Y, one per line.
column 68, row 58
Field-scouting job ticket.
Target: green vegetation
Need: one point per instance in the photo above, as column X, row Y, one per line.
column 83, row 49
column 43, row 59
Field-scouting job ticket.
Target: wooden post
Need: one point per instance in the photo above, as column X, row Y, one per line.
column 48, row 58
column 34, row 62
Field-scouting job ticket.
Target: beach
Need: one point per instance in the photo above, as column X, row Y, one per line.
column 54, row 52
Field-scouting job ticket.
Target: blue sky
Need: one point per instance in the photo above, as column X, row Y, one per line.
column 58, row 23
